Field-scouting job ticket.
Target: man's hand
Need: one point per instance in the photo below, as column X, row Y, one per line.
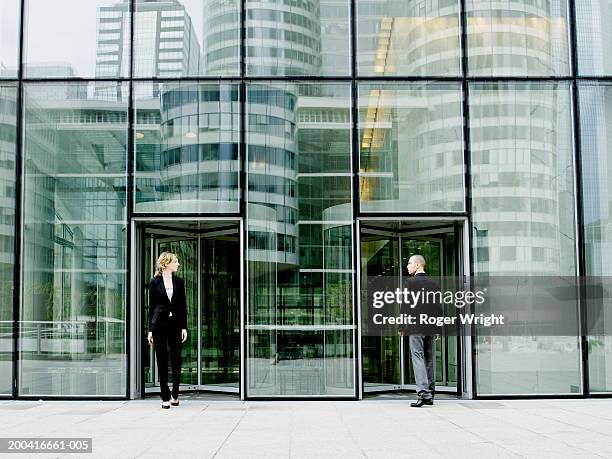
column 150, row 338
column 183, row 335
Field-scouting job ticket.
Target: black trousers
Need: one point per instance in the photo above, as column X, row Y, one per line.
column 168, row 338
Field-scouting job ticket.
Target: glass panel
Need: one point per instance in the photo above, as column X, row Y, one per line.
column 186, row 38
column 9, row 38
column 411, row 147
column 380, row 354
column 72, row 337
column 593, row 25
column 408, row 38
column 291, row 38
column 187, row 252
column 220, row 303
column 517, row 38
column 8, row 158
column 77, row 38
column 596, row 128
column 432, row 248
column 187, row 142
column 523, row 222
column 300, row 323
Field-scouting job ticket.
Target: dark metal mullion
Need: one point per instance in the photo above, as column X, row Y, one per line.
column 581, row 272
column 355, row 196
column 130, row 200
column 458, row 244
column 242, row 392
column 19, row 183
column 467, row 162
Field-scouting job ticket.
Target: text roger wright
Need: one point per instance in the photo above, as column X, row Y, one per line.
column 438, row 321
column 412, row 298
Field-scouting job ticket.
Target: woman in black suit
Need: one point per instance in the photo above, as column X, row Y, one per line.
column 167, row 323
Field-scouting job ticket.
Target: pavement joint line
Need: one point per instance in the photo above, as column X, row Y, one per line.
column 348, row 430
column 229, row 434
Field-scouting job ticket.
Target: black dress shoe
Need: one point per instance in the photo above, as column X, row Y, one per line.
column 422, row 401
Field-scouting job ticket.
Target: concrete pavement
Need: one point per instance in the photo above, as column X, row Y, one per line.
column 377, row 428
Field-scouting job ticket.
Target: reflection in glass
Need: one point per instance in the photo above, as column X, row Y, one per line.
column 517, row 38
column 594, row 37
column 408, row 38
column 220, row 310
column 596, row 135
column 72, row 337
column 300, row 324
column 523, row 222
column 411, row 147
column 77, row 38
column 9, row 38
column 310, row 37
column 182, row 38
column 8, row 157
column 187, row 138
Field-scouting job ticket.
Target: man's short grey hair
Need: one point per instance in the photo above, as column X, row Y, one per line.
column 418, row 259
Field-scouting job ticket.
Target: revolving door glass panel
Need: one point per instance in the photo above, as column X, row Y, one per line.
column 385, row 250
column 210, row 266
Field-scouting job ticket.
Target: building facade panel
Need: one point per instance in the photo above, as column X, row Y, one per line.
column 408, row 38
column 411, row 147
column 523, row 218
column 187, row 147
column 75, row 38
column 518, row 38
column 8, row 187
column 9, row 38
column 72, row 333
column 595, row 126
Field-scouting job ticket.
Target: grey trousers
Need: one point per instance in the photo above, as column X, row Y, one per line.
column 423, row 352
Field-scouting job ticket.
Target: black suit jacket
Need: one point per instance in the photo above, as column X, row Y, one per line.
column 160, row 306
column 422, row 282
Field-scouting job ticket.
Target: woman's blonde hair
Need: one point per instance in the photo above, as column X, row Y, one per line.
column 164, row 260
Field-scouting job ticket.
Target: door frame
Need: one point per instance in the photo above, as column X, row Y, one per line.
column 136, row 384
column 464, row 377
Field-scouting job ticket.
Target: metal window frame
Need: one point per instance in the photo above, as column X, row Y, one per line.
column 137, row 388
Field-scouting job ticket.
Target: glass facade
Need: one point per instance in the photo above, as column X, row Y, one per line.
column 303, row 129
column 411, row 147
column 299, row 240
column 523, row 214
column 595, row 119
column 187, row 147
column 408, row 38
column 72, row 335
column 8, row 160
column 9, row 38
column 518, row 38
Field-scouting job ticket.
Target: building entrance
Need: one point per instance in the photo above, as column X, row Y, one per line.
column 385, row 249
column 209, row 253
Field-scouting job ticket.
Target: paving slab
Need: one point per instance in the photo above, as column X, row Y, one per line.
column 382, row 428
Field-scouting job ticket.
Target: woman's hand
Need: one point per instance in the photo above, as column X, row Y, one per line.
column 183, row 335
column 150, row 338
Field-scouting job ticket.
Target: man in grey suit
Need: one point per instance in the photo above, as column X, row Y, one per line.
column 422, row 347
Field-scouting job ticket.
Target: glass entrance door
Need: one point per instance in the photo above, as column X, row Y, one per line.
column 210, row 267
column 387, row 364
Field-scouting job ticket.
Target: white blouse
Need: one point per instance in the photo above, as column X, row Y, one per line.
column 169, row 291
